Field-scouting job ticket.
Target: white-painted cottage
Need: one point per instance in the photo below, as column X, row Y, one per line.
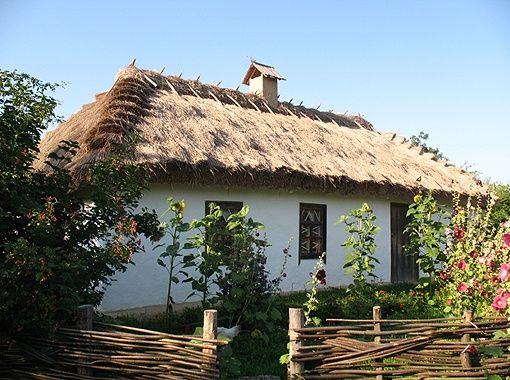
column 297, row 168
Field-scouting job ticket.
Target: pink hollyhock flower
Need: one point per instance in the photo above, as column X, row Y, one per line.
column 449, row 301
column 462, row 287
column 505, row 241
column 461, row 265
column 504, row 272
column 499, row 302
column 482, row 259
column 473, row 254
column 442, row 275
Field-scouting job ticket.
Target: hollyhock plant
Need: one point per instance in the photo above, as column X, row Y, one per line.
column 505, row 241
column 462, row 287
column 499, row 303
column 504, row 272
column 458, row 232
column 477, row 269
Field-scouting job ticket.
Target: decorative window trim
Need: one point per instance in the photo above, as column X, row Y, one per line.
column 322, row 208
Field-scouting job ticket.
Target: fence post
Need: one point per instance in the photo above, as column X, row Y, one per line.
column 85, row 314
column 466, row 338
column 376, row 313
column 210, row 328
column 296, row 321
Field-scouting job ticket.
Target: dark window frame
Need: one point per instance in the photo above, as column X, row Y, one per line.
column 323, row 224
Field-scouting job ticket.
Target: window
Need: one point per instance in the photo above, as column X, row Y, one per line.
column 312, row 230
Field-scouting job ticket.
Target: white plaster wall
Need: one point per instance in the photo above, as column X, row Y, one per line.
column 146, row 283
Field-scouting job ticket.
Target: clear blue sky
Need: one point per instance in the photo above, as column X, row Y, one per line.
column 441, row 66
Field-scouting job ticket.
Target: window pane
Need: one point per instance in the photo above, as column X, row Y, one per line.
column 312, row 230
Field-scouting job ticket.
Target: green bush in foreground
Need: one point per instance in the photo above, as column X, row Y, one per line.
column 60, row 240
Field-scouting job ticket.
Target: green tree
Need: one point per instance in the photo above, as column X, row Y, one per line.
column 60, row 240
column 501, row 210
column 421, row 139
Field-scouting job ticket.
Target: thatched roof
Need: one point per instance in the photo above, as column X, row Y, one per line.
column 203, row 134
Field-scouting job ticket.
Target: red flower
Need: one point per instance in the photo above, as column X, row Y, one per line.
column 462, row 287
column 504, row 272
column 458, row 232
column 133, row 226
column 449, row 301
column 473, row 254
column 499, row 302
column 461, row 265
column 442, row 275
column 505, row 241
column 321, row 276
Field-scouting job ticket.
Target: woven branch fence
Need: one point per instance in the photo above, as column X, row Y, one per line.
column 429, row 349
column 111, row 351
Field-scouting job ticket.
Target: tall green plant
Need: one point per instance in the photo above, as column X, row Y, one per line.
column 207, row 258
column 317, row 278
column 172, row 257
column 360, row 258
column 426, row 228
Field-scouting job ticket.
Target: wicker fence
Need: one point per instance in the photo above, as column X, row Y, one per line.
column 111, row 351
column 460, row 348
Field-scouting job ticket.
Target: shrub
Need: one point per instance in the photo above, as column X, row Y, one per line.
column 60, row 240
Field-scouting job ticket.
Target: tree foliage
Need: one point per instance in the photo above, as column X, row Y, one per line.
column 501, row 210
column 60, row 240
column 421, row 139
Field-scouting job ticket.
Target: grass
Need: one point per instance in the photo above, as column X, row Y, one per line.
column 259, row 354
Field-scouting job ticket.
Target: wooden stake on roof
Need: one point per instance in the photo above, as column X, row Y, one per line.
column 254, row 105
column 215, row 97
column 237, row 88
column 319, row 106
column 162, row 69
column 133, row 62
column 217, row 84
column 235, row 101
column 268, row 108
column 289, row 111
column 334, row 121
column 193, row 90
column 150, row 80
column 172, row 87
column 180, row 75
column 198, row 78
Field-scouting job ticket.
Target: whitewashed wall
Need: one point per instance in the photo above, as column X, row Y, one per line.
column 146, row 283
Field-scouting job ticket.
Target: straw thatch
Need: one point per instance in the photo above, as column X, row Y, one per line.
column 196, row 133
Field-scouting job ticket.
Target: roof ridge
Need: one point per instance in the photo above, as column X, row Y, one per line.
column 193, row 87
